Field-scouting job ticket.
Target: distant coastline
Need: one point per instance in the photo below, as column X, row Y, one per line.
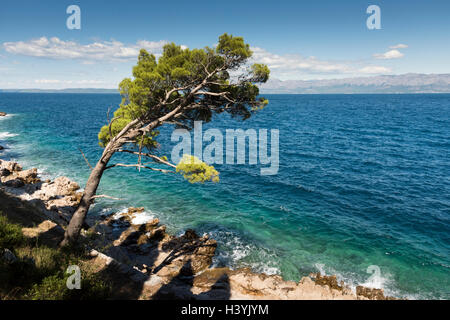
column 410, row 83
column 384, row 84
column 68, row 90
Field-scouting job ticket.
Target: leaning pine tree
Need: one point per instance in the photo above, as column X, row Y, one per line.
column 181, row 87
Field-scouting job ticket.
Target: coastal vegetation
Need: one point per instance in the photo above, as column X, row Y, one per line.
column 36, row 271
column 183, row 86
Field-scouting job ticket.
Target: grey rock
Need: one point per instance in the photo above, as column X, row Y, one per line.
column 4, row 172
column 14, row 183
column 8, row 256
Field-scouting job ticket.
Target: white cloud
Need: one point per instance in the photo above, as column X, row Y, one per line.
column 55, row 48
column 89, row 82
column 58, row 81
column 375, row 70
column 286, row 66
column 296, row 63
column 399, row 46
column 391, row 54
column 296, row 66
column 47, row 81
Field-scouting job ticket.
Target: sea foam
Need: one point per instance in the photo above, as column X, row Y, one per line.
column 9, row 115
column 236, row 252
column 6, row 135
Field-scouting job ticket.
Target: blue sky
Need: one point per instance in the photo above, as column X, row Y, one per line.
column 321, row 39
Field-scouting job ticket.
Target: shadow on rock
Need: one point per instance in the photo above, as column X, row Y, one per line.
column 181, row 287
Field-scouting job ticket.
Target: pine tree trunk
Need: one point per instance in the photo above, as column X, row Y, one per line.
column 77, row 220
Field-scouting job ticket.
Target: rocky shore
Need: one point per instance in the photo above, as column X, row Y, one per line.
column 143, row 261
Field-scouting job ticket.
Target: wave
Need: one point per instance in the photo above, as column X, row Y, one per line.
column 6, row 135
column 143, row 217
column 375, row 279
column 139, row 217
column 9, row 115
column 236, row 252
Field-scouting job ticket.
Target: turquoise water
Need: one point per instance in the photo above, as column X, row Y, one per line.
column 363, row 180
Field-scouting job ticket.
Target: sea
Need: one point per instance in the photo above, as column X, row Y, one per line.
column 362, row 189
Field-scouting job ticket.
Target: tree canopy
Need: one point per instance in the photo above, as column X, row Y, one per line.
column 198, row 79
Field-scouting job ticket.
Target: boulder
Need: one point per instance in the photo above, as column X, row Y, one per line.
column 132, row 210
column 157, row 233
column 47, row 232
column 11, row 166
column 330, row 281
column 371, row 293
column 2, row 114
column 127, row 237
column 149, row 226
column 131, row 214
column 143, row 239
column 65, row 187
column 190, row 247
column 13, row 183
column 8, row 256
column 190, row 235
column 26, row 176
column 4, row 172
column 136, row 235
column 60, row 187
column 203, row 255
column 65, row 203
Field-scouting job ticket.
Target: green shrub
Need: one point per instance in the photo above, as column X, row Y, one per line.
column 55, row 288
column 16, row 276
column 51, row 288
column 10, row 234
column 46, row 261
column 40, row 272
column 92, row 288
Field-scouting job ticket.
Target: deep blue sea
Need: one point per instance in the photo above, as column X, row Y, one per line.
column 364, row 180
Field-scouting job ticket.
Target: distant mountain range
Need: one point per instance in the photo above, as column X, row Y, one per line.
column 405, row 83
column 71, row 90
